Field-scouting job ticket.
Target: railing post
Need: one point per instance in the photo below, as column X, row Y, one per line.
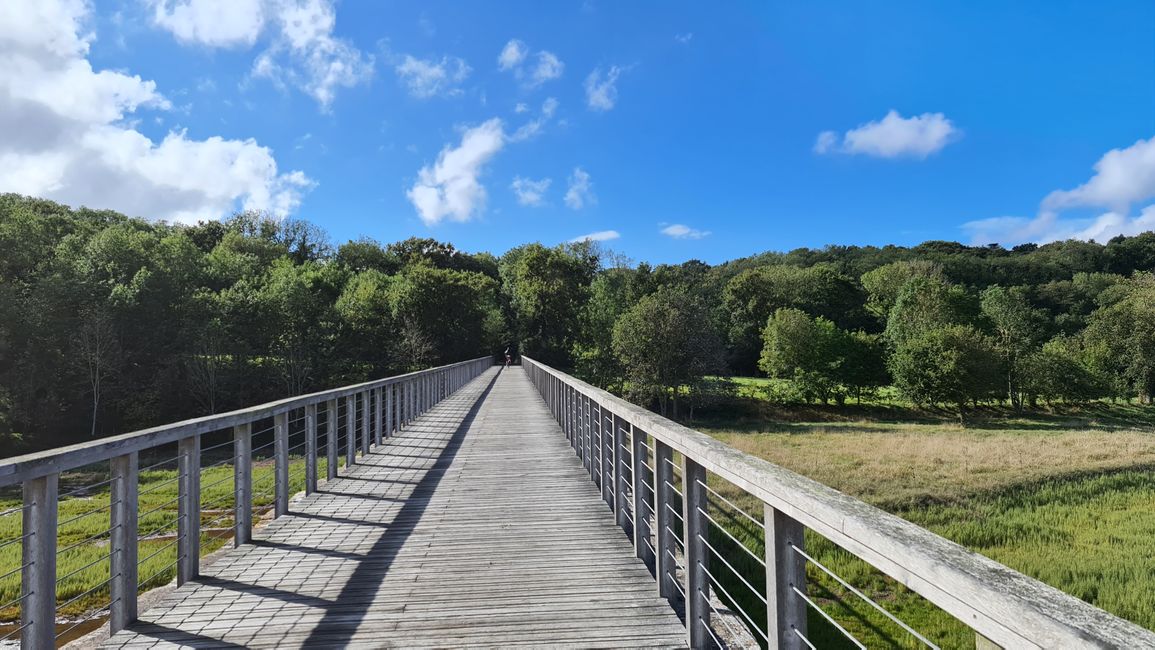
column 310, row 448
column 694, row 535
column 38, row 577
column 188, row 542
column 281, row 463
column 350, row 431
column 641, row 520
column 667, row 570
column 331, row 426
column 378, row 416
column 599, row 455
column 608, row 476
column 785, row 572
column 243, row 483
column 619, row 474
column 366, row 413
column 388, row 388
column 123, row 546
column 583, row 432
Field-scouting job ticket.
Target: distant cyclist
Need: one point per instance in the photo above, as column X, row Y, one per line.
column 508, row 358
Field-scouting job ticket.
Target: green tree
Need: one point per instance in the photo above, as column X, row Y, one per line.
column 455, row 311
column 955, row 365
column 752, row 296
column 1120, row 337
column 883, row 284
column 1018, row 330
column 546, row 290
column 925, row 304
column 667, row 344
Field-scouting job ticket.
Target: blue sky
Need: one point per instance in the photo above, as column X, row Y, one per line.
column 681, row 130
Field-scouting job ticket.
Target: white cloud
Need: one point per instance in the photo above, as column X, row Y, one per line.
column 602, row 93
column 548, row 67
column 303, row 53
column 217, row 23
column 67, row 138
column 530, row 192
column 315, row 60
column 679, row 231
column 451, row 188
column 521, row 107
column 549, row 106
column 684, row 38
column 512, row 55
column 893, row 136
column 826, row 142
column 581, row 190
column 601, row 235
column 1123, row 177
column 534, row 127
column 428, row 78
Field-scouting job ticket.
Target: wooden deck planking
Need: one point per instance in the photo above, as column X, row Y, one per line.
column 476, row 526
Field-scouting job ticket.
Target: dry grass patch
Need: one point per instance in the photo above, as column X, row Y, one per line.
column 896, row 465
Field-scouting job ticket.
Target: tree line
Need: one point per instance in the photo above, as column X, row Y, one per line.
column 110, row 323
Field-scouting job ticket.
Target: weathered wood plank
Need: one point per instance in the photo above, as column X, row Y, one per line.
column 473, row 525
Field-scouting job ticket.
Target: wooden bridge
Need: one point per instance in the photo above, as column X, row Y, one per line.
column 486, row 506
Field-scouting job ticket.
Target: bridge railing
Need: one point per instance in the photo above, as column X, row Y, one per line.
column 352, row 419
column 662, row 481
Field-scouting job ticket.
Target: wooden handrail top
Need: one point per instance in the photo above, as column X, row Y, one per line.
column 1005, row 606
column 29, row 466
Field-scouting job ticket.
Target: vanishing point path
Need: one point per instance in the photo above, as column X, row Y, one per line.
column 474, row 526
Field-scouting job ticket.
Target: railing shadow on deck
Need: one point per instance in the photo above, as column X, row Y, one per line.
column 385, row 550
column 357, row 419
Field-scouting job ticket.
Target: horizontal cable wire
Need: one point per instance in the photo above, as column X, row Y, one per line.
column 757, row 522
column 863, row 596
column 84, row 488
column 91, row 564
column 826, row 616
column 158, row 573
column 732, row 538
column 725, row 619
column 749, row 586
column 803, row 637
column 16, row 631
column 719, row 587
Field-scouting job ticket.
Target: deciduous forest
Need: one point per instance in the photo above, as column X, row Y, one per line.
column 110, row 323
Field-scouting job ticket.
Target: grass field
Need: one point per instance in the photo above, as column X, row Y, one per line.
column 1068, row 498
column 82, row 557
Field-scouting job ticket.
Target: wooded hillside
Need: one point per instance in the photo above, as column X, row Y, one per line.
column 109, row 323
